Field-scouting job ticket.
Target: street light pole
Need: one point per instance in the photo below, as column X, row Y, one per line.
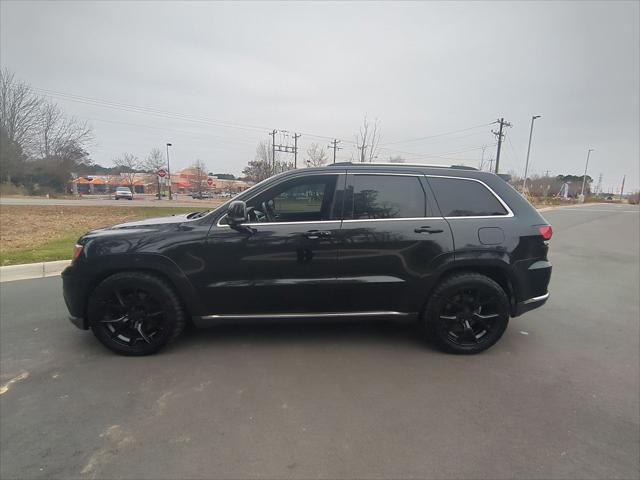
column 526, row 165
column 169, row 170
column 584, row 178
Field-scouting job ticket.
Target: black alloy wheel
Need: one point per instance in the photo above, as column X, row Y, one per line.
column 135, row 313
column 467, row 313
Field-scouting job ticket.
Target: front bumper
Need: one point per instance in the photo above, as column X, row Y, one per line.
column 79, row 322
column 74, row 293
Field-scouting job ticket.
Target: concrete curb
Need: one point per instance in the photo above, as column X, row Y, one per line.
column 32, row 270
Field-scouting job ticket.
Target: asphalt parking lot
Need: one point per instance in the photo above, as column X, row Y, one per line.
column 557, row 397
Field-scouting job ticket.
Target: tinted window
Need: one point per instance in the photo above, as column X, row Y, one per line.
column 299, row 200
column 387, row 196
column 465, row 198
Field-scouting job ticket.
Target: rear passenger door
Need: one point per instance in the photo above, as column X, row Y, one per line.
column 391, row 242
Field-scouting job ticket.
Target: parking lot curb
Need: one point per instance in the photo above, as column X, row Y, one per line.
column 32, row 270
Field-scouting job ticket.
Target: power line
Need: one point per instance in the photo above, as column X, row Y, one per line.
column 171, row 130
column 235, row 125
column 438, row 134
column 146, row 110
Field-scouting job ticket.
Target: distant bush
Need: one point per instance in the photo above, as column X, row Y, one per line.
column 11, row 189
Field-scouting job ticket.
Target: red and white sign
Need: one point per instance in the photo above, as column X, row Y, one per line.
column 162, row 173
column 210, row 181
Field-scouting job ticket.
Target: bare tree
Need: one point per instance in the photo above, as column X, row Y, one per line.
column 59, row 136
column 368, row 140
column 19, row 110
column 262, row 166
column 396, row 159
column 316, row 155
column 154, row 162
column 199, row 176
column 128, row 164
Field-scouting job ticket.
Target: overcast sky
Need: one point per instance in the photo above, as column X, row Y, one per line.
column 230, row 72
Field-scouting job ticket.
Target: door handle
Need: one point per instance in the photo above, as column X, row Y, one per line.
column 315, row 234
column 428, row 229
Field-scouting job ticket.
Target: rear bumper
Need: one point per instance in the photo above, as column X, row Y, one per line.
column 530, row 304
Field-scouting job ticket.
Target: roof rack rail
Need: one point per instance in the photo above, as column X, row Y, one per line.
column 398, row 164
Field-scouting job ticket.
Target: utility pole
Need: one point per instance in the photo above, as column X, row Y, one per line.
column 335, row 147
column 169, row 170
column 622, row 188
column 584, row 178
column 491, row 164
column 500, row 136
column 282, row 148
column 295, row 149
column 273, row 151
column 546, row 174
column 526, row 165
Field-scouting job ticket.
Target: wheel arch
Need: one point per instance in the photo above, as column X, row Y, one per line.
column 496, row 270
column 157, row 265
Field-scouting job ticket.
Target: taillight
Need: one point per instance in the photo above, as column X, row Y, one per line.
column 546, row 232
column 77, row 250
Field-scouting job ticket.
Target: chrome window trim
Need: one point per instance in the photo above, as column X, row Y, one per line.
column 502, row 202
column 305, row 315
column 264, row 224
column 353, row 220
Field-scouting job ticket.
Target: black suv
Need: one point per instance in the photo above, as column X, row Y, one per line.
column 453, row 247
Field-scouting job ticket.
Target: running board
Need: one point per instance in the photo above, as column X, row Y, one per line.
column 208, row 320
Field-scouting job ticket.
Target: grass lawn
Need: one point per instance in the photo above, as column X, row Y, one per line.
column 34, row 233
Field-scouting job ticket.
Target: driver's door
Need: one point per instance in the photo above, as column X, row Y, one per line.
column 284, row 261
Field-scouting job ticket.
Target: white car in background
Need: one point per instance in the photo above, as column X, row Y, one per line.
column 123, row 192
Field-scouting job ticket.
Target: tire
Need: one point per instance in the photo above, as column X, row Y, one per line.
column 467, row 313
column 135, row 313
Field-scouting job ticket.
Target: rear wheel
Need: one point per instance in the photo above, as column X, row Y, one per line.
column 467, row 313
column 135, row 313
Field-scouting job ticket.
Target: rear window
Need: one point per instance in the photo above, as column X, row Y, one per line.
column 387, row 196
column 465, row 198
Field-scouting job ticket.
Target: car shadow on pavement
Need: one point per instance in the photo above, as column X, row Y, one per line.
column 306, row 332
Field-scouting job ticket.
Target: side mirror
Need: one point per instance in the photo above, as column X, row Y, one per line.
column 237, row 213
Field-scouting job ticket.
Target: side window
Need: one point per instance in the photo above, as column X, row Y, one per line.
column 464, row 198
column 299, row 200
column 387, row 196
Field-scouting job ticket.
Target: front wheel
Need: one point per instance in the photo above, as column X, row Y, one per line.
column 467, row 313
column 135, row 313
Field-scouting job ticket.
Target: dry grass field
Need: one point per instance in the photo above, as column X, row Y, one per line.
column 33, row 233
